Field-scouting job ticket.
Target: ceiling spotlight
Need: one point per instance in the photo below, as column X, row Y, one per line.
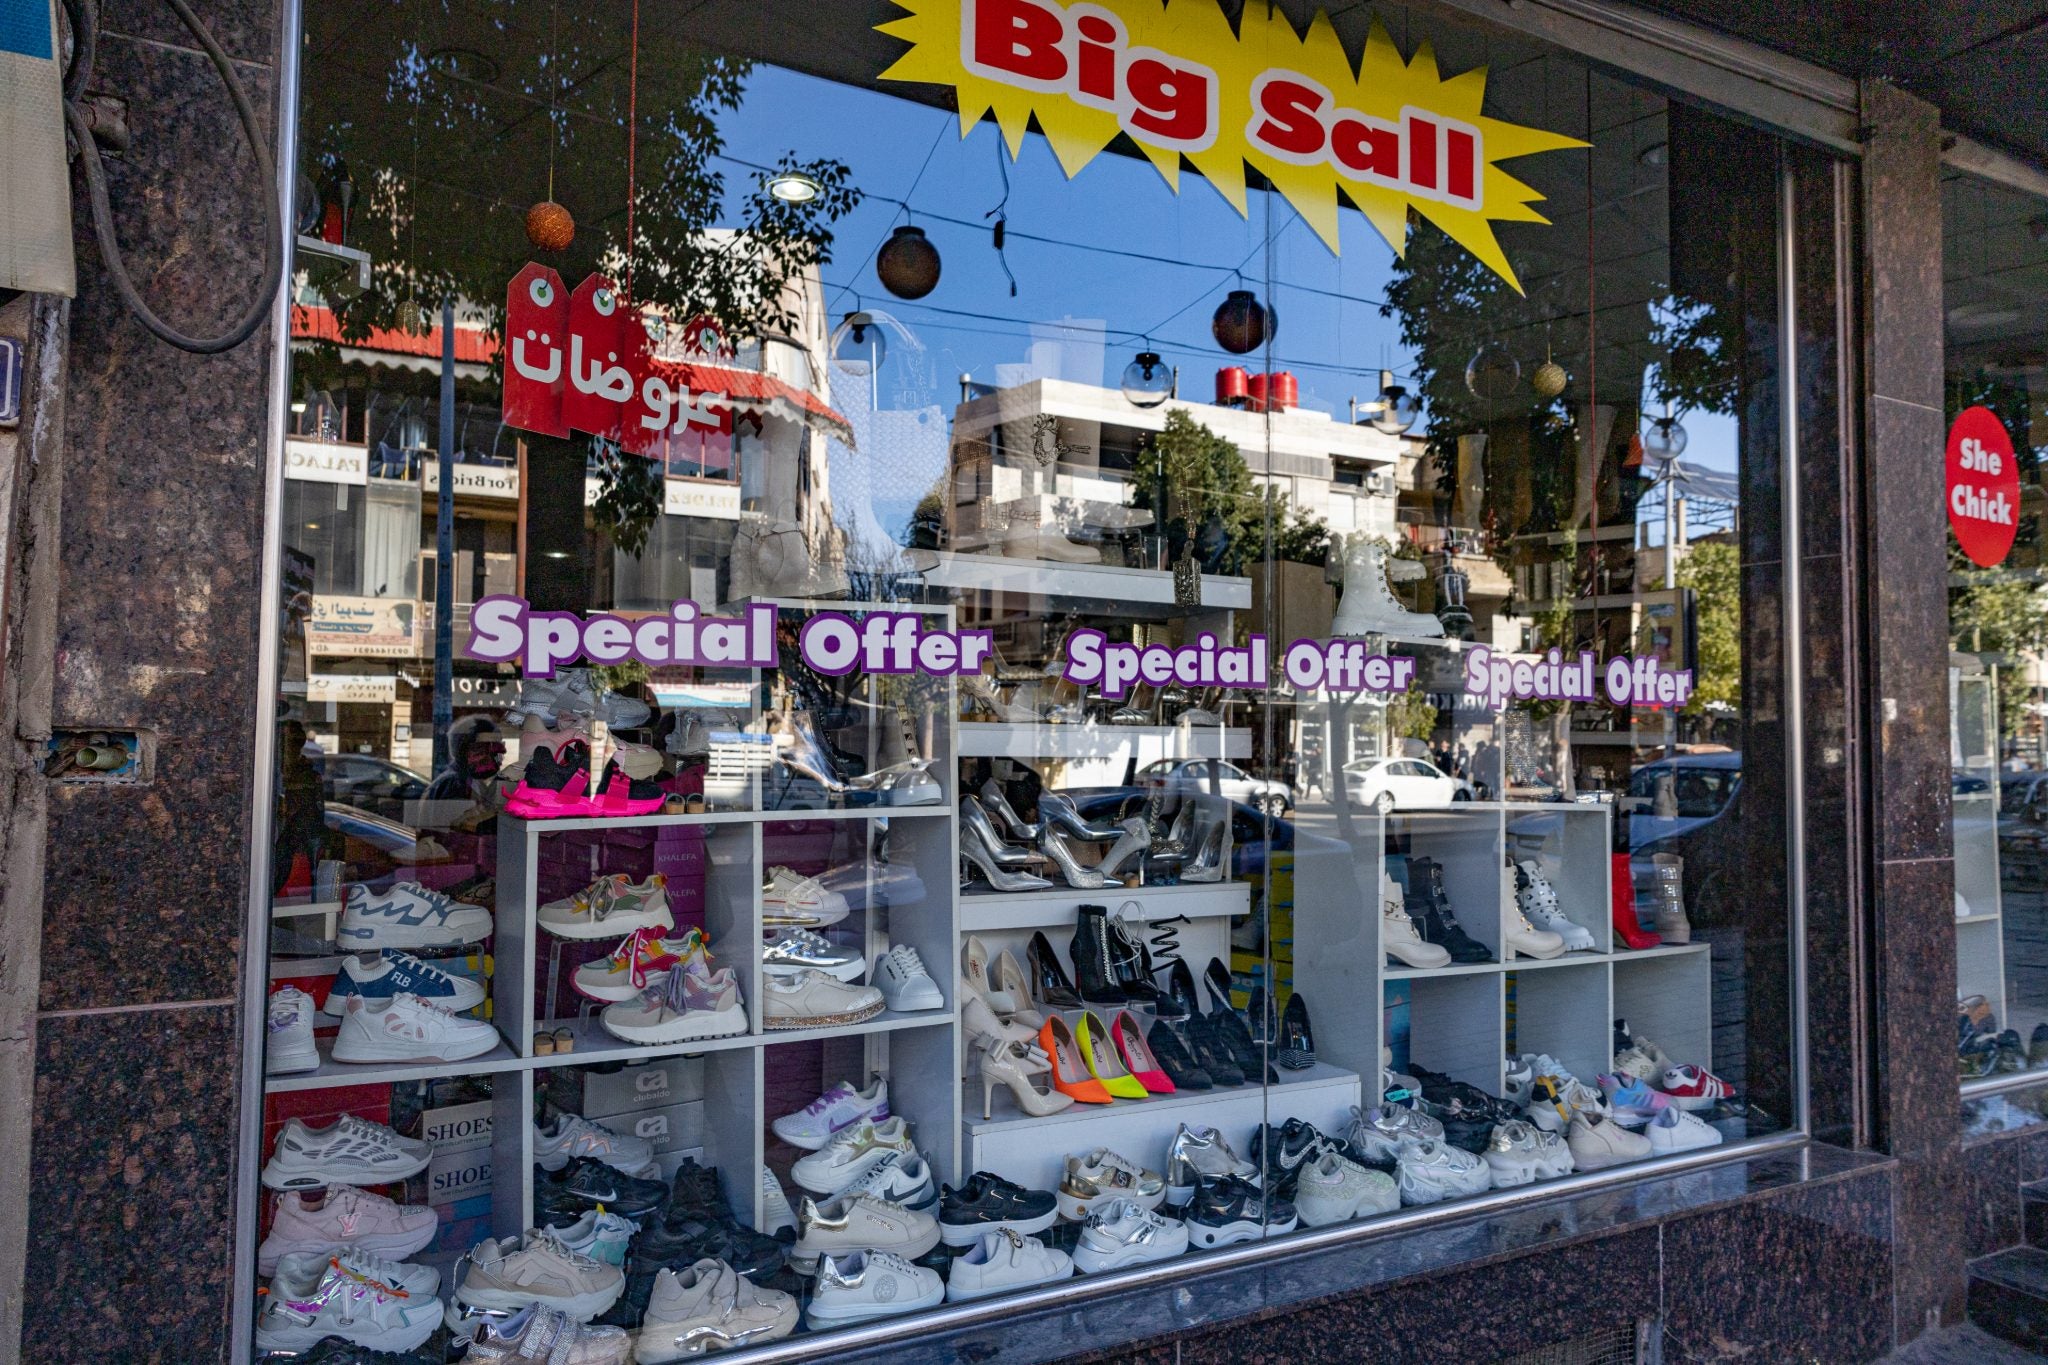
column 793, row 187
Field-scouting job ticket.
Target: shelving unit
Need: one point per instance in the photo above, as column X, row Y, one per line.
column 1980, row 899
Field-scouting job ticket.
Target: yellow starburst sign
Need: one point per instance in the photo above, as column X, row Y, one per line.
column 1389, row 135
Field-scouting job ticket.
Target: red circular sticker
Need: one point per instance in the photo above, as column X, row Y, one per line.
column 1983, row 486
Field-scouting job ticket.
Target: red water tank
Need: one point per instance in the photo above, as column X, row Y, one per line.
column 1256, row 401
column 1231, row 386
column 1282, row 392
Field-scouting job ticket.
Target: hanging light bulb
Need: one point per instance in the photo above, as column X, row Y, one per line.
column 1664, row 439
column 1397, row 409
column 908, row 264
column 794, row 187
column 859, row 345
column 1493, row 373
column 1147, row 380
column 1242, row 324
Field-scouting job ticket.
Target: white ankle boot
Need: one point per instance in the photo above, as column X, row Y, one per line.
column 1369, row 606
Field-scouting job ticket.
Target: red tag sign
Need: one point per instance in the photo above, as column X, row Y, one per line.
column 537, row 338
column 1983, row 486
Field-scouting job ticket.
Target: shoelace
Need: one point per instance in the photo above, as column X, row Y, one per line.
column 824, row 1102
column 907, row 959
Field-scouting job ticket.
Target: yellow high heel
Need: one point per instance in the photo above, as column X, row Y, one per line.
column 1100, row 1053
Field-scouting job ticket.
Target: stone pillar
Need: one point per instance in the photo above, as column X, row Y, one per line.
column 1913, row 1108
column 157, row 562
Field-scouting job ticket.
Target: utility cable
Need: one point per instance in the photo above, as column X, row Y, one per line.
column 85, row 18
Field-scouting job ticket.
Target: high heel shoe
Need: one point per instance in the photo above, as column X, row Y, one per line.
column 1130, row 846
column 1258, row 1013
column 1080, row 878
column 1296, row 1045
column 1210, row 859
column 1010, row 980
column 1137, row 1057
column 978, row 690
column 1217, row 980
column 1002, row 813
column 978, row 829
column 1012, row 1065
column 1069, row 1073
column 974, row 968
column 1059, row 811
column 1210, row 1053
column 1093, row 959
column 987, row 1030
column 974, row 858
column 1174, row 1058
column 1103, row 1062
column 1053, row 988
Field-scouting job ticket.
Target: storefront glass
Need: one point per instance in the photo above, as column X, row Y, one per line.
column 1995, row 280
column 1219, row 728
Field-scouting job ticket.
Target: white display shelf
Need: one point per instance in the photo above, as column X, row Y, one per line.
column 332, row 1074
column 305, row 909
column 936, row 810
column 1577, row 958
column 1056, row 908
column 1661, row 950
column 1146, row 743
column 594, row 1044
column 1096, row 583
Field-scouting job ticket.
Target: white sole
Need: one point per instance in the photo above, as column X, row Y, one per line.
column 806, row 1262
column 358, row 1055
column 305, row 1338
column 935, row 1002
column 1693, row 1103
column 1512, row 1177
column 967, row 1234
column 581, row 1307
column 830, row 1315
column 291, row 1063
column 314, row 1178
column 1077, row 1210
column 848, row 972
column 686, row 1028
column 1521, row 950
column 369, row 940
column 1096, row 1262
column 615, row 927
column 959, row 1293
column 337, row 1003
column 1689, row 1147
column 845, row 1178
column 1404, row 956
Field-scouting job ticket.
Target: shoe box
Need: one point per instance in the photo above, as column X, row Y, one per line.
column 637, row 1087
column 454, row 1114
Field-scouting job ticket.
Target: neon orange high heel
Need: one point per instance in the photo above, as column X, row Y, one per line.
column 1069, row 1073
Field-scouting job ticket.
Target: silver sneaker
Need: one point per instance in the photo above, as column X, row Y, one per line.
column 708, row 1308
column 1196, row 1152
column 1378, row 1133
column 801, row 949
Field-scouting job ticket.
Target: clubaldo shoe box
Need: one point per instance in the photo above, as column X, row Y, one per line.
column 631, row 1089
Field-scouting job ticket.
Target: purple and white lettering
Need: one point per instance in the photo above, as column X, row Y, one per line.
column 504, row 628
column 1501, row 678
column 1091, row 659
column 890, row 642
column 1343, row 665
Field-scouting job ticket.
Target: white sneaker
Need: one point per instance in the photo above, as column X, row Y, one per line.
column 1674, row 1130
column 331, row 1300
column 852, row 1154
column 306, row 1267
column 400, row 973
column 1518, row 1154
column 708, row 1308
column 598, row 1234
column 572, row 1135
column 288, row 1041
column 840, row 1107
column 1334, row 1189
column 1537, row 900
column 1004, row 1260
column 610, row 906
column 1120, row 1233
column 800, row 901
column 350, row 1151
column 1095, row 1178
column 347, row 1217
column 1399, row 939
column 409, row 1030
column 776, row 1213
column 1599, row 1142
column 409, row 916
column 1429, row 1170
column 686, row 1005
column 1518, row 1078
column 1381, row 1132
column 854, row 1222
column 900, row 1179
column 1555, row 1100
column 811, row 999
column 904, row 983
column 871, row 1284
column 513, row 1273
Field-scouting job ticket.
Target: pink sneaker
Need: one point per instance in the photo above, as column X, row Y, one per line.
column 349, row 1218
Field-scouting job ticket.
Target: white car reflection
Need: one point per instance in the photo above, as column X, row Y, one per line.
column 1389, row 784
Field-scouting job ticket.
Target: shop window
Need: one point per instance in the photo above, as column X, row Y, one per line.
column 1369, row 775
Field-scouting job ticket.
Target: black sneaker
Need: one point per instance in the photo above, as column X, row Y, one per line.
column 547, row 774
column 1282, row 1151
column 1451, row 1098
column 1295, row 1047
column 987, row 1202
column 1430, row 907
column 591, row 1182
column 1175, row 1059
column 681, row 1242
column 696, row 1189
column 1226, row 1210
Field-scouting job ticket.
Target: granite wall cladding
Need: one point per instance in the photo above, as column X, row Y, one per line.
column 133, row 1178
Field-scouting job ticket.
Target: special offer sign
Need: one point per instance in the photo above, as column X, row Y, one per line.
column 1983, row 486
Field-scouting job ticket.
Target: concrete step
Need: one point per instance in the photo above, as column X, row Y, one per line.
column 2009, row 1296
column 2034, row 1211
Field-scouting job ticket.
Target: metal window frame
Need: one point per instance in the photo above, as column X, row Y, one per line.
column 1791, row 97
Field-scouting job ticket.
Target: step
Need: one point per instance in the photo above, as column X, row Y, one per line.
column 2034, row 1212
column 2009, row 1295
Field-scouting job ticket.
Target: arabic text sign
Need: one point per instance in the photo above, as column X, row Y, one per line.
column 1388, row 135
column 583, row 361
column 363, row 627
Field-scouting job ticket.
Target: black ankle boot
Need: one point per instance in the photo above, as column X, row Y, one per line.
column 1094, row 958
